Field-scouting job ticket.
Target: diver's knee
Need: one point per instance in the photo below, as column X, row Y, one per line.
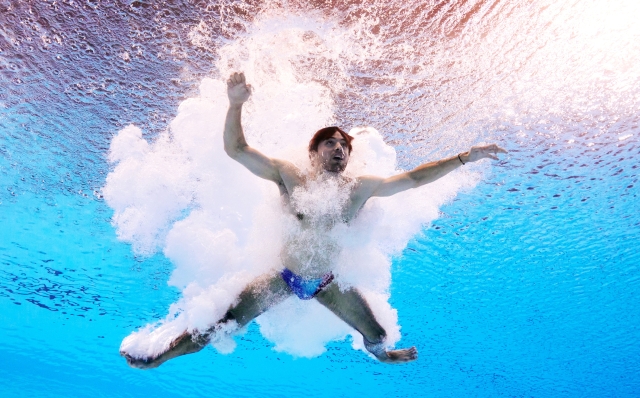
column 229, row 316
column 238, row 315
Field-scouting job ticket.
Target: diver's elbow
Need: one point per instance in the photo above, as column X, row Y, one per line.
column 234, row 151
column 415, row 180
column 230, row 152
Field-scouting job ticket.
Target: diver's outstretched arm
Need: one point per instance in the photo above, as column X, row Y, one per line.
column 429, row 172
column 235, row 144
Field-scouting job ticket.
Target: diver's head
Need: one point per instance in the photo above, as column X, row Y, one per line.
column 330, row 148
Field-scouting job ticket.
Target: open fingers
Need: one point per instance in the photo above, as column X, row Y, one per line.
column 497, row 149
column 236, row 78
column 488, row 151
column 493, row 148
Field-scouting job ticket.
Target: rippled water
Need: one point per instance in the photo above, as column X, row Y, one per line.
column 526, row 285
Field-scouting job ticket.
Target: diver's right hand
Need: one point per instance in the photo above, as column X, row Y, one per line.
column 237, row 89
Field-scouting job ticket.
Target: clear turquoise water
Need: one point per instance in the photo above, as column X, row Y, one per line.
column 526, row 285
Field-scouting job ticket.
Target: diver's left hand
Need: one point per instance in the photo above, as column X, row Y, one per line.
column 237, row 89
column 481, row 152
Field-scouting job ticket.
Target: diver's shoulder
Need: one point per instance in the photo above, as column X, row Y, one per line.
column 290, row 174
column 286, row 166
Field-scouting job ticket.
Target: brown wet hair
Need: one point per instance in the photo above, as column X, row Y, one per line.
column 325, row 134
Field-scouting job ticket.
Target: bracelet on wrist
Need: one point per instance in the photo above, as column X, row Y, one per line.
column 460, row 159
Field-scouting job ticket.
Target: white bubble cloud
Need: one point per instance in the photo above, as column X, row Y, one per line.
column 222, row 227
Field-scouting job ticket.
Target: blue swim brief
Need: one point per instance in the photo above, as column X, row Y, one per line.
column 305, row 289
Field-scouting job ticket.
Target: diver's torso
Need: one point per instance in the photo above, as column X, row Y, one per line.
column 318, row 209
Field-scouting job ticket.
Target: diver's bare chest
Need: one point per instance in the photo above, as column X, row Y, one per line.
column 353, row 203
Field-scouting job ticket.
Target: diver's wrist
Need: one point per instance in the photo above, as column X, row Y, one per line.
column 463, row 157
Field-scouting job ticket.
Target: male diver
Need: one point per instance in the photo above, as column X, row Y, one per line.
column 307, row 256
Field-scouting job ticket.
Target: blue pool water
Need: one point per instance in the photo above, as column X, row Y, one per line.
column 525, row 285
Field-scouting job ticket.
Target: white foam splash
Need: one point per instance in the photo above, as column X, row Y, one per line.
column 222, row 227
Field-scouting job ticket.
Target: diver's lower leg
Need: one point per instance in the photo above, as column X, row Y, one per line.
column 351, row 307
column 255, row 299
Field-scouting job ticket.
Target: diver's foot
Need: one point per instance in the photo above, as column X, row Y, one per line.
column 182, row 345
column 140, row 363
column 400, row 356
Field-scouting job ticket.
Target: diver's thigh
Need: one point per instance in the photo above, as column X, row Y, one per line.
column 350, row 306
column 258, row 296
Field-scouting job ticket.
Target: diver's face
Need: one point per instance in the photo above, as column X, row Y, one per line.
column 333, row 153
